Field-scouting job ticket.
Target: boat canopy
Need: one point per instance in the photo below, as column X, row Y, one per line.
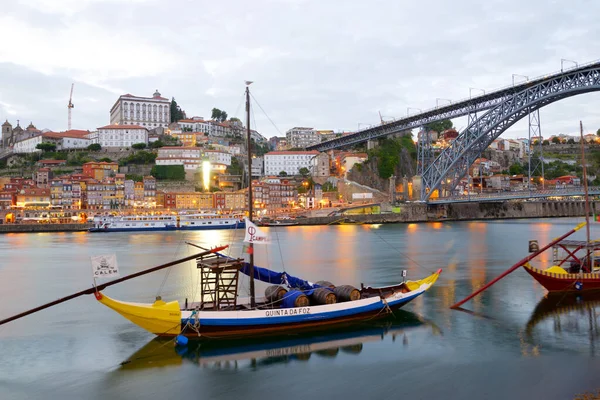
column 278, row 278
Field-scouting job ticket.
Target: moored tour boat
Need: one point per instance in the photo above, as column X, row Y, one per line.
column 196, row 221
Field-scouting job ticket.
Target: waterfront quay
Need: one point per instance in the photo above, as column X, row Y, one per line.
column 385, row 214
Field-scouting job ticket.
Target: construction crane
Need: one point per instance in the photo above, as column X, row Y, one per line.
column 70, row 106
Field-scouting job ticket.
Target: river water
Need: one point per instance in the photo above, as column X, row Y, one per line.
column 504, row 349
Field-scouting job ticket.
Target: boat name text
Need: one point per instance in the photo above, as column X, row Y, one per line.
column 287, row 311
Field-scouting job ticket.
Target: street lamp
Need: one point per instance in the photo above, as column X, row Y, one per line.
column 563, row 60
column 522, row 76
column 472, row 88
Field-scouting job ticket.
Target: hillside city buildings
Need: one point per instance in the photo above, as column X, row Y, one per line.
column 287, row 177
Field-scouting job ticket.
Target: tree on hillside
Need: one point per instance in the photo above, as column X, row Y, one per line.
column 176, row 112
column 304, row 172
column 598, row 132
column 46, row 147
column 94, row 147
column 556, row 140
column 169, row 172
column 440, row 126
column 138, row 146
column 218, row 115
column 516, row 169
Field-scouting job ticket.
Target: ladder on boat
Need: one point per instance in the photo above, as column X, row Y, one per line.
column 219, row 281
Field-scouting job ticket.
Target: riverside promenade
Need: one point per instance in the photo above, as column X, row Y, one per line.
column 405, row 213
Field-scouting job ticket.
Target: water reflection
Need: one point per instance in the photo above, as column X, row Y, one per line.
column 259, row 353
column 568, row 321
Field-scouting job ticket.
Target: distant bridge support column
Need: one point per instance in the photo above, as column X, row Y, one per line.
column 371, row 144
column 535, row 154
column 424, row 159
column 417, row 188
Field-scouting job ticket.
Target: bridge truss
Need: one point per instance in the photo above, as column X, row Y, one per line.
column 470, row 107
column 452, row 163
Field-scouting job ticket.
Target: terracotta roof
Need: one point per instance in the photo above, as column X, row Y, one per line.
column 149, row 98
column 181, row 147
column 116, row 126
column 179, row 158
column 44, row 170
column 101, row 163
column 274, row 153
column 67, row 134
column 51, row 162
column 191, row 121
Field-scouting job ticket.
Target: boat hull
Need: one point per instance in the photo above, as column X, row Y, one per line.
column 140, row 229
column 564, row 283
column 169, row 228
column 159, row 318
column 297, row 323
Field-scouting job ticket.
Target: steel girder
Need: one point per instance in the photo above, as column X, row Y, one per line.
column 453, row 162
column 390, row 128
column 454, row 110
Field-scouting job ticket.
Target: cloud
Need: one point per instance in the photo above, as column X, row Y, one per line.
column 331, row 65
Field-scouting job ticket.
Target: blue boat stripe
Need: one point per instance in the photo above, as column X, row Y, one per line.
column 295, row 318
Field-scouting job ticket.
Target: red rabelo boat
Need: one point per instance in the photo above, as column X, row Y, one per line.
column 575, row 265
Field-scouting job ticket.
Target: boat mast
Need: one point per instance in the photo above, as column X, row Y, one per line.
column 587, row 200
column 249, row 150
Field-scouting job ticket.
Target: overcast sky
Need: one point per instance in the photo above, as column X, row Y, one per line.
column 323, row 64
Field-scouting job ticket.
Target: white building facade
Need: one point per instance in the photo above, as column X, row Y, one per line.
column 122, row 135
column 149, row 112
column 217, row 157
column 62, row 140
column 196, row 124
column 302, row 137
column 288, row 161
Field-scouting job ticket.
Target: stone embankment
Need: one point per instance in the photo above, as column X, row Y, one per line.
column 409, row 213
column 21, row 228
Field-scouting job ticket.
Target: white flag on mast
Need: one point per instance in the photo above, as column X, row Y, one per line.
column 105, row 266
column 254, row 234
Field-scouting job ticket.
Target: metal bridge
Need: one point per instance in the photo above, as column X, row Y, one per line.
column 499, row 110
column 460, row 108
column 562, row 193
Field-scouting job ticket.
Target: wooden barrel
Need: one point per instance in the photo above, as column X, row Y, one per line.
column 331, row 352
column 325, row 284
column 346, row 293
column 353, row 349
column 295, row 298
column 275, row 293
column 323, row 296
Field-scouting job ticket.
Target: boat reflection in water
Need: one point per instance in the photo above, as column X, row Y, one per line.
column 161, row 352
column 568, row 321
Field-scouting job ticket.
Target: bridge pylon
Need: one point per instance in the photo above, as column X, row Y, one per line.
column 425, row 156
column 535, row 162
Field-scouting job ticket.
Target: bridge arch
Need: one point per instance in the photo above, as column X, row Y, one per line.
column 454, row 161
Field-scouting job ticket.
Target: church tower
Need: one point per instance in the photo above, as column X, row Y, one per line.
column 6, row 136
